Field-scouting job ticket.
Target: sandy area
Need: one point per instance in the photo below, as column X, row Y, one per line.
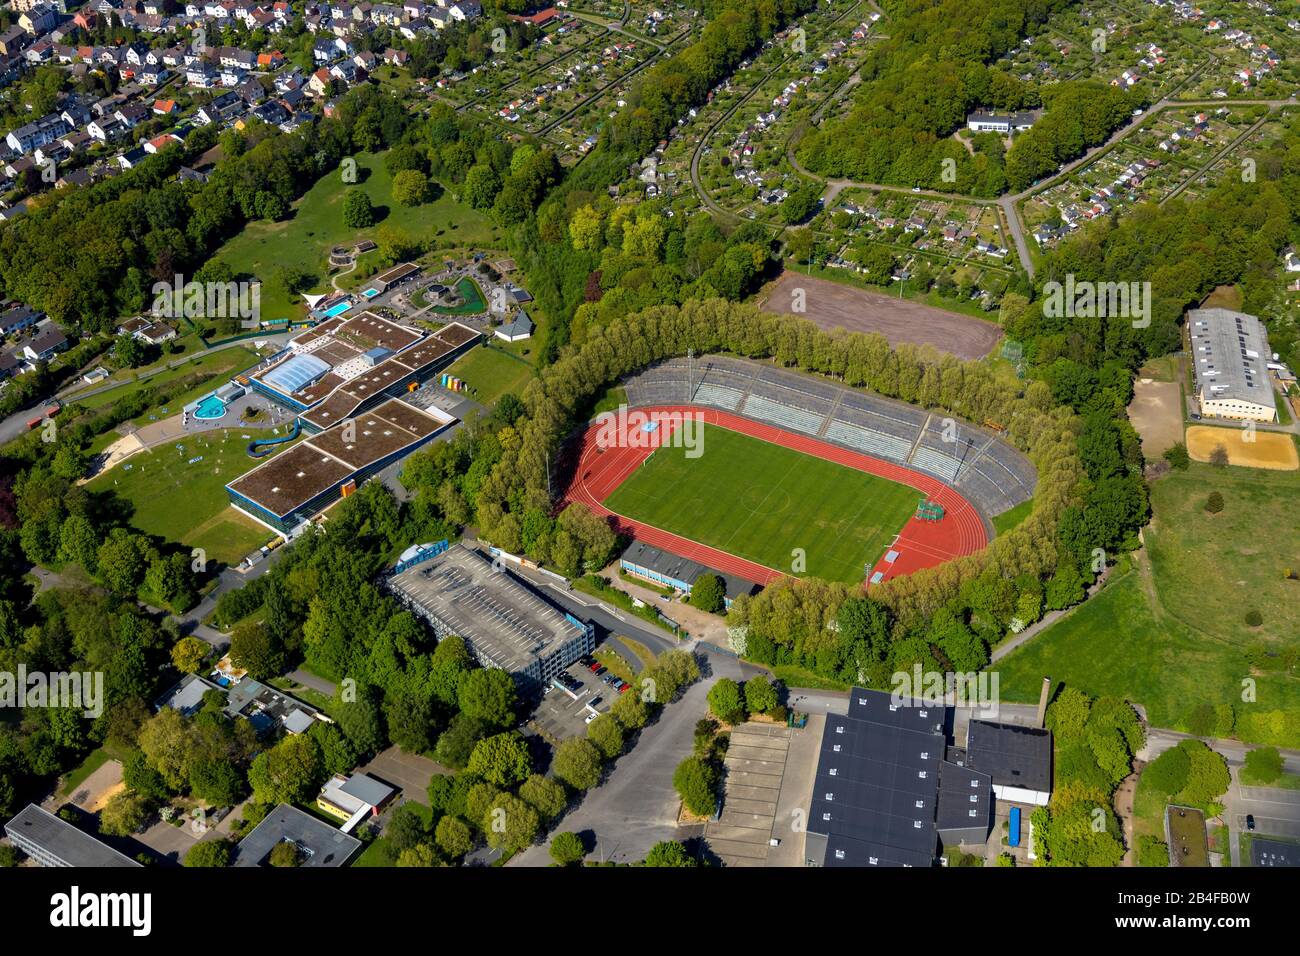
column 1156, row 414
column 1275, row 451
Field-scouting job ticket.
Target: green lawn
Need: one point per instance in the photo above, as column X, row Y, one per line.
column 1172, row 635
column 491, row 373
column 224, row 362
column 187, row 503
column 304, row 240
column 1009, row 519
column 761, row 501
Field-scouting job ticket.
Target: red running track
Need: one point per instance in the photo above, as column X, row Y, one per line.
column 603, row 465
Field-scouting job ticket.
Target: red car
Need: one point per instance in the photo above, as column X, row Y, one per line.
column 623, row 686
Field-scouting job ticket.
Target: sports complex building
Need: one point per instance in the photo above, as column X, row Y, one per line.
column 1230, row 364
column 342, row 378
column 892, row 789
column 503, row 621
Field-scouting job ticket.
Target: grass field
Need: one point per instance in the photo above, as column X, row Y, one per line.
column 1010, row 518
column 222, row 362
column 1171, row 634
column 492, row 373
column 304, row 240
column 187, row 503
column 760, row 501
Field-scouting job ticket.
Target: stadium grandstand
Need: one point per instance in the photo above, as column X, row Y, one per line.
column 343, row 366
column 297, row 484
column 992, row 475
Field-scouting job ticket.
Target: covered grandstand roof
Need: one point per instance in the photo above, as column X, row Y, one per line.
column 297, row 373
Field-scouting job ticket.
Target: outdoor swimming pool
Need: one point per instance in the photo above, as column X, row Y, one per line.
column 338, row 309
column 210, row 408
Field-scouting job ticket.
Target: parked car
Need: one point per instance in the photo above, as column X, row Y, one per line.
column 1250, row 821
column 623, row 687
column 590, row 718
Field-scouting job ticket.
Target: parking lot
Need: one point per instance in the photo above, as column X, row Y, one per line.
column 566, row 713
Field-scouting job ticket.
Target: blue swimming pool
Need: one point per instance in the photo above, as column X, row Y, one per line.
column 338, row 309
column 210, row 408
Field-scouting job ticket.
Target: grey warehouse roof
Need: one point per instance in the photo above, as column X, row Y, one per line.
column 1229, row 356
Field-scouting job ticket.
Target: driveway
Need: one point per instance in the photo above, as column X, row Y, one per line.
column 635, row 806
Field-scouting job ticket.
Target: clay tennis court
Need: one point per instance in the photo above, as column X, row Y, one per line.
column 601, row 468
column 834, row 306
column 1275, row 451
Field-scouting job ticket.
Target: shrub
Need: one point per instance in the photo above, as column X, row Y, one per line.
column 1214, row 504
column 1254, row 618
column 1177, row 456
column 1152, row 851
column 696, row 783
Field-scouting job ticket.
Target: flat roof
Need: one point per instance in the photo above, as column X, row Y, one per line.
column 310, row 468
column 348, row 396
column 499, row 616
column 1229, row 356
column 319, row 844
column 62, row 840
column 396, row 273
column 1011, row 754
column 1266, row 852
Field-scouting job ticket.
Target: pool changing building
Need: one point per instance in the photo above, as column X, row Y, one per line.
column 503, row 621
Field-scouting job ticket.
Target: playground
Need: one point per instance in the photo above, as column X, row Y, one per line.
column 761, row 502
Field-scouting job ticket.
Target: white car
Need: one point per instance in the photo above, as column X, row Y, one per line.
column 590, row 718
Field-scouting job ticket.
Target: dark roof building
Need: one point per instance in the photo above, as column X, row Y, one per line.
column 54, row 842
column 884, row 795
column 318, row 843
column 1018, row 760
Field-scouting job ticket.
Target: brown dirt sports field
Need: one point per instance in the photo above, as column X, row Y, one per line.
column 834, row 306
column 1272, row 450
column 1156, row 413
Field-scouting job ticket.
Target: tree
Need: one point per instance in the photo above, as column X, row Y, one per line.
column 1152, row 851
column 502, row 759
column 456, row 745
column 760, row 695
column 577, row 762
column 454, row 837
column 510, row 824
column 411, row 187
column 725, row 701
column 209, row 854
column 669, row 853
column 630, row 710
column 124, row 814
column 285, row 854
column 254, row 648
column 1177, row 456
column 1214, row 503
column 708, row 593
column 481, row 186
column 545, row 796
column 188, row 654
column 696, row 781
column 607, row 735
column 358, row 212
column 289, row 772
column 489, row 694
column 1264, row 765
column 567, row 849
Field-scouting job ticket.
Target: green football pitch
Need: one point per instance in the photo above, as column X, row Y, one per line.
column 761, row 501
